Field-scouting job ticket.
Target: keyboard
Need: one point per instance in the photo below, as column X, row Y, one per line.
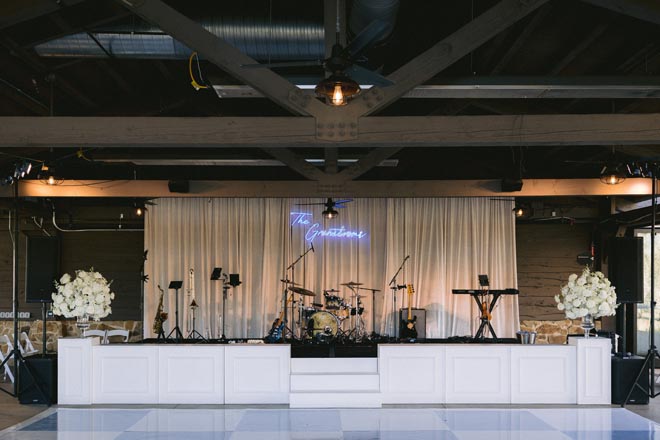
column 481, row 292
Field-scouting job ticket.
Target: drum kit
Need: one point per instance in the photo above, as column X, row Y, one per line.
column 338, row 318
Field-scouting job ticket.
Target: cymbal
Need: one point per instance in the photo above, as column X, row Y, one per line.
column 367, row 288
column 351, row 284
column 302, row 291
column 331, row 291
column 285, row 281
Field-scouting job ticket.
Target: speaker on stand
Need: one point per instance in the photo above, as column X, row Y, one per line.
column 42, row 267
column 625, row 268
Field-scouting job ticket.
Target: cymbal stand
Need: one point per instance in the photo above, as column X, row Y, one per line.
column 373, row 309
column 225, row 289
column 395, row 288
column 292, row 267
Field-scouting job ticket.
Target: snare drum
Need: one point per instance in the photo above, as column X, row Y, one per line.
column 332, row 302
column 322, row 324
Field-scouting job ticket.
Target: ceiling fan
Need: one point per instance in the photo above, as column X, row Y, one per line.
column 331, row 206
column 346, row 74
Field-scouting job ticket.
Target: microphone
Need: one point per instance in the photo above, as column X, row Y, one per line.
column 311, row 245
column 407, row 256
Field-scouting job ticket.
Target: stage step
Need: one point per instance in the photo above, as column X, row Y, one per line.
column 334, row 365
column 335, row 382
column 335, row 400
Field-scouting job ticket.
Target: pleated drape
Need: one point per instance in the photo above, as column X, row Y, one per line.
column 449, row 240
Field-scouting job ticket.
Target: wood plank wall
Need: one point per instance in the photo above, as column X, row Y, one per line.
column 117, row 255
column 547, row 255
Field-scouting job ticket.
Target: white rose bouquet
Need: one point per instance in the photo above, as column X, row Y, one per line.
column 590, row 293
column 86, row 294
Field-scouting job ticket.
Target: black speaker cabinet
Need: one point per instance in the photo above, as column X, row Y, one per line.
column 420, row 324
column 179, row 186
column 625, row 268
column 624, row 372
column 41, row 268
column 44, row 370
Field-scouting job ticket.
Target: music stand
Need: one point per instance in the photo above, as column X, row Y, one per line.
column 176, row 285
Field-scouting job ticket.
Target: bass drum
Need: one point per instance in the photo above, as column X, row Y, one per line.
column 322, row 326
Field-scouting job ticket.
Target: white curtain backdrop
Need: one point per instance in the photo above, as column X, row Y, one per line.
column 449, row 240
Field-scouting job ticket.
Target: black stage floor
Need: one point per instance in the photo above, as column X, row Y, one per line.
column 309, row 349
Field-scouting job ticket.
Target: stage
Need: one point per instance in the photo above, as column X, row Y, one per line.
column 234, row 373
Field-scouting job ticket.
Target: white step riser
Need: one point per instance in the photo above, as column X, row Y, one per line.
column 335, row 382
column 334, row 365
column 335, row 400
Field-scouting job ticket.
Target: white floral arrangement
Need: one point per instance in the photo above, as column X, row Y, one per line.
column 590, row 293
column 86, row 294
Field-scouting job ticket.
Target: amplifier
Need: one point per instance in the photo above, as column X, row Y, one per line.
column 420, row 325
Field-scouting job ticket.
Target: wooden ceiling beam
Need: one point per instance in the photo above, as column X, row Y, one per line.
column 425, row 188
column 645, row 10
column 13, row 12
column 522, row 38
column 395, row 131
column 444, row 53
column 225, row 56
column 36, row 64
column 296, row 163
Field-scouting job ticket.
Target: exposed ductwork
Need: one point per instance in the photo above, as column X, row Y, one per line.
column 257, row 37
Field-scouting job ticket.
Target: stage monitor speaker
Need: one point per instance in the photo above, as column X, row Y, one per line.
column 44, row 369
column 420, row 324
column 41, row 268
column 625, row 268
column 179, row 186
column 624, row 372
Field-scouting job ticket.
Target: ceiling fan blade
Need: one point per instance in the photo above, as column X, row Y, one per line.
column 366, row 76
column 309, row 63
column 367, row 38
column 308, row 204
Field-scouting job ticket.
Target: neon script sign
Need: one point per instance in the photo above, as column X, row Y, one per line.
column 314, row 229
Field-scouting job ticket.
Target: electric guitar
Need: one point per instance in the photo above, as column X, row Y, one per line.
column 485, row 312
column 408, row 330
column 275, row 333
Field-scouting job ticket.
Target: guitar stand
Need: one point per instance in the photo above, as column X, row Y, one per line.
column 485, row 322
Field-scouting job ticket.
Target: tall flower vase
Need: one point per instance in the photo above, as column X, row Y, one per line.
column 587, row 324
column 82, row 322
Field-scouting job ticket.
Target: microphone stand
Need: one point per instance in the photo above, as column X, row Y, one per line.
column 286, row 313
column 394, row 287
